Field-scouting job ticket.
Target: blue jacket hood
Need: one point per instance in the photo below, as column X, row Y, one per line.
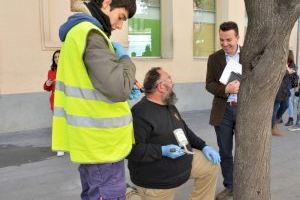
column 74, row 20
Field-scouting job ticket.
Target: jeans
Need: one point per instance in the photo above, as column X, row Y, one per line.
column 224, row 133
column 291, row 103
column 298, row 112
column 279, row 109
column 298, row 120
column 103, row 181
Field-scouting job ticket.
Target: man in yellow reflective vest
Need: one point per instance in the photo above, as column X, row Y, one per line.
column 92, row 119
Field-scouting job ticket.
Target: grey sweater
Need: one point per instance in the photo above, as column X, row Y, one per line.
column 112, row 77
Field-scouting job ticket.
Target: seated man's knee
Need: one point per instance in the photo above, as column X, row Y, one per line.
column 215, row 169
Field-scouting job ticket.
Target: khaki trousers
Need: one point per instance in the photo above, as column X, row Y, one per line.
column 205, row 176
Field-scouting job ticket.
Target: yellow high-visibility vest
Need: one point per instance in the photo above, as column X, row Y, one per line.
column 85, row 122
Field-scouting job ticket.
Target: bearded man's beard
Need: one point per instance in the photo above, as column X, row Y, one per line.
column 170, row 98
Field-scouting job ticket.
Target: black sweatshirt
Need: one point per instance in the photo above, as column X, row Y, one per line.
column 153, row 128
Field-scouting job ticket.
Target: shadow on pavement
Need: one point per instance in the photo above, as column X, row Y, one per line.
column 12, row 155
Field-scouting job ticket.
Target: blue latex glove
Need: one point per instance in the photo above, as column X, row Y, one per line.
column 172, row 151
column 135, row 93
column 120, row 51
column 211, row 154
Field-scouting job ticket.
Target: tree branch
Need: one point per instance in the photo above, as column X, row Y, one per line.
column 272, row 17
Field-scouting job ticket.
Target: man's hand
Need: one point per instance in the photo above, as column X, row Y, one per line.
column 135, row 93
column 172, row 151
column 211, row 155
column 49, row 82
column 232, row 87
column 290, row 70
column 120, row 51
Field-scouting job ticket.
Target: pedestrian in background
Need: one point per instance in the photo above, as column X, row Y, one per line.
column 281, row 102
column 291, row 62
column 49, row 85
column 284, row 99
column 294, row 79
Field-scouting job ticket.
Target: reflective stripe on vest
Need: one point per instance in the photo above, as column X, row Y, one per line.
column 88, row 94
column 93, row 122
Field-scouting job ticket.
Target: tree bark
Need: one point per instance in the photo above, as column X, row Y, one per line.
column 264, row 58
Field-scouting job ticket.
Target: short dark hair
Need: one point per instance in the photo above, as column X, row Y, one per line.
column 129, row 5
column 227, row 26
column 151, row 79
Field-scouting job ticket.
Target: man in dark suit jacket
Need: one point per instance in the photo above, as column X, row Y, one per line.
column 223, row 112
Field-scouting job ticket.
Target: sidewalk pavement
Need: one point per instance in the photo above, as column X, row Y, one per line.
column 30, row 171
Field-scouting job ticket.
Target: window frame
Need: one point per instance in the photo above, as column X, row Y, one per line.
column 166, row 31
column 214, row 29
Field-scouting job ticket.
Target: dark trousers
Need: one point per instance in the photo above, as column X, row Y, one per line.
column 103, row 181
column 280, row 107
column 224, row 133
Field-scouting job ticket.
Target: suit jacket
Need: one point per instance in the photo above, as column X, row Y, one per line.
column 215, row 66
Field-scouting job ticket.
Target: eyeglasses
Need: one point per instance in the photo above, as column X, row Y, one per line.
column 169, row 80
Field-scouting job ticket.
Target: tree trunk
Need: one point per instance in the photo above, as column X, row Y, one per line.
column 264, row 58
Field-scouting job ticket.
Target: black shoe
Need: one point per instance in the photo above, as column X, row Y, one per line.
column 290, row 122
column 226, row 194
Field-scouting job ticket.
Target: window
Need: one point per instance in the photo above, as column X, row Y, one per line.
column 204, row 28
column 144, row 34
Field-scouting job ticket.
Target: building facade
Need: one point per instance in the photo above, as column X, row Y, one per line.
column 173, row 34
